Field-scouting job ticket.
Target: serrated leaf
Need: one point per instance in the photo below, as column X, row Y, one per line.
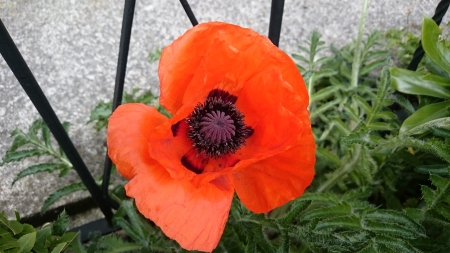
column 372, row 66
column 394, row 244
column 296, row 208
column 21, row 154
column 327, row 155
column 27, row 242
column 61, row 193
column 323, row 108
column 381, row 126
column 351, row 113
column 300, row 58
column 134, row 218
column 325, row 212
column 129, row 230
column 439, row 182
column 43, row 167
column 438, row 169
column 386, row 115
column 336, row 223
column 324, row 93
column 34, row 128
column 61, row 224
column 393, row 217
column 19, row 140
column 76, row 246
column 392, row 229
column 362, row 103
column 116, row 245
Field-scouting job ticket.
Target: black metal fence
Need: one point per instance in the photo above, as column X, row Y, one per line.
column 18, row 66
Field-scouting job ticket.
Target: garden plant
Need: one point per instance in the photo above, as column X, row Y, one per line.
column 247, row 149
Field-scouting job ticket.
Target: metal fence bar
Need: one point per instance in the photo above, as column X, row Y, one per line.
column 189, row 12
column 127, row 23
column 22, row 72
column 276, row 18
column 439, row 13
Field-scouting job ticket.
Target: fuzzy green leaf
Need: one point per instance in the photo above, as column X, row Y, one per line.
column 438, row 169
column 61, row 224
column 324, row 93
column 20, row 140
column 325, row 212
column 337, row 223
column 43, row 167
column 115, row 245
column 61, row 193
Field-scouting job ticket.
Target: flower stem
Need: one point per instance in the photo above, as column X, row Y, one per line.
column 357, row 57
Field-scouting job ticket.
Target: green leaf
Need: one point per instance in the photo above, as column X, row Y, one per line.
column 27, row 242
column 21, row 154
column 415, row 83
column 59, row 248
column 116, row 245
column 426, row 114
column 362, row 103
column 61, row 193
column 20, row 140
column 433, row 44
column 296, row 208
column 43, row 167
column 41, row 240
column 76, row 246
column 46, row 136
column 7, row 243
column 324, row 93
column 12, row 225
column 393, row 217
column 323, row 108
column 325, row 212
column 61, row 224
column 372, row 66
column 438, row 169
column 327, row 155
column 337, row 223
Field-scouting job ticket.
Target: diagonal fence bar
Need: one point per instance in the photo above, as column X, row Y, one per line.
column 276, row 18
column 127, row 22
column 22, row 72
column 189, row 12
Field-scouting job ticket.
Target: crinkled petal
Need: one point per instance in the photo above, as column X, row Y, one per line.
column 194, row 217
column 129, row 128
column 214, row 55
column 272, row 182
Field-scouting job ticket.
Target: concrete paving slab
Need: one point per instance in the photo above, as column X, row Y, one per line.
column 71, row 47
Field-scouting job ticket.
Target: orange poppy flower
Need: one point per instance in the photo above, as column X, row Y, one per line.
column 240, row 123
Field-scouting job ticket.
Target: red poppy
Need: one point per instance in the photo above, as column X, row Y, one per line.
column 240, row 123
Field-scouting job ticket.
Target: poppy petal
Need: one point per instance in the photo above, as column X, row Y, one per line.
column 194, row 217
column 128, row 130
column 272, row 182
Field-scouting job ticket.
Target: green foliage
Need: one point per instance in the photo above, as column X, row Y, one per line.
column 102, row 110
column 16, row 237
column 154, row 55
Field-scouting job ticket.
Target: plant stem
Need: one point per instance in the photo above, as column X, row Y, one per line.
column 347, row 166
column 357, row 57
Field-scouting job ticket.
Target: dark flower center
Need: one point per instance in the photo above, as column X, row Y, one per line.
column 217, row 127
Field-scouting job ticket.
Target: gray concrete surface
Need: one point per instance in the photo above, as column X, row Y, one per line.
column 71, row 47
